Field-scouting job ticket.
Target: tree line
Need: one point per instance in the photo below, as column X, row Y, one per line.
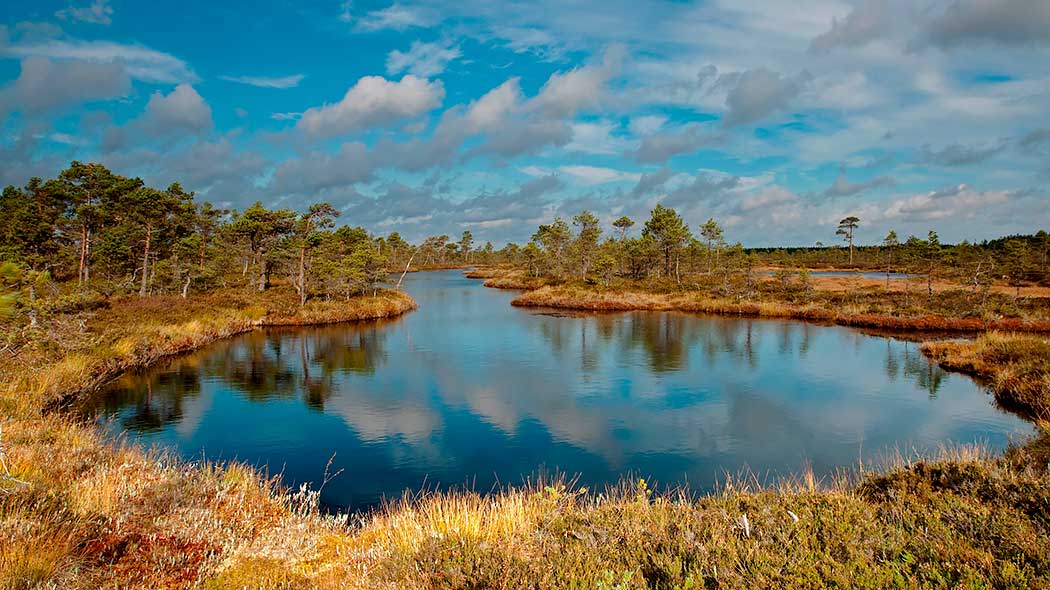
column 667, row 249
column 112, row 234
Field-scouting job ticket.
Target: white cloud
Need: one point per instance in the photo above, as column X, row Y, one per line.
column 1006, row 22
column 373, row 100
column 754, row 94
column 597, row 138
column 660, row 147
column 182, row 110
column 567, row 93
column 395, row 17
column 140, row 63
column 99, row 12
column 267, row 82
column 44, row 85
column 591, row 175
column 422, row 59
column 494, row 105
column 646, row 124
column 953, row 201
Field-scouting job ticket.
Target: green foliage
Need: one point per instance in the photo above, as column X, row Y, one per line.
column 585, row 246
column 669, row 232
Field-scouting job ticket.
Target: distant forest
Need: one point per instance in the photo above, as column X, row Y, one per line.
column 110, row 234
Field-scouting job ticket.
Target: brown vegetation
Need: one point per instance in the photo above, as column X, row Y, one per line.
column 1016, row 365
column 86, row 347
column 851, row 313
column 79, row 511
column 506, row 278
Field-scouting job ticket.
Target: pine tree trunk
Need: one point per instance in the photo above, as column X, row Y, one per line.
column 302, row 275
column 145, row 262
column 81, row 277
column 262, row 270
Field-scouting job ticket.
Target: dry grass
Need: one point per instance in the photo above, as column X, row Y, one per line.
column 507, row 278
column 859, row 313
column 963, row 521
column 1017, row 366
column 93, row 513
column 74, row 357
column 78, row 511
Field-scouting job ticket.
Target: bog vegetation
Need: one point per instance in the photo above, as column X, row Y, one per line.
column 101, row 273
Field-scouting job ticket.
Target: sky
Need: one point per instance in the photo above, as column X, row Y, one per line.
column 775, row 118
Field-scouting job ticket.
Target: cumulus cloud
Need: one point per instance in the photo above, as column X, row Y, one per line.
column 140, row 63
column 567, row 93
column 516, row 138
column 168, row 117
column 957, row 154
column 960, row 200
column 373, row 100
column 591, row 175
column 44, row 85
column 597, row 138
column 646, row 124
column 422, row 59
column 316, row 172
column 704, row 187
column 267, row 82
column 182, row 110
column 1004, row 22
column 865, row 23
column 842, row 187
column 663, row 146
column 495, row 105
column 651, row 182
column 754, row 94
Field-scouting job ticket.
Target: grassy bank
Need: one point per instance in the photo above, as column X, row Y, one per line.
column 866, row 309
column 1016, row 366
column 79, row 511
column 85, row 347
column 506, row 278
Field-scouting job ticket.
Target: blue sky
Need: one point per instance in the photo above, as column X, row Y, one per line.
column 776, row 118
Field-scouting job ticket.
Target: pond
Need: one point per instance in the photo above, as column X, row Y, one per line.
column 469, row 391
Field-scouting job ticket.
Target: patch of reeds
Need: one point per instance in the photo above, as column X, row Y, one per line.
column 80, row 511
column 1016, row 365
column 594, row 299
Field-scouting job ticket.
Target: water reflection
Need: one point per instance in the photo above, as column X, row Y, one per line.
column 469, row 389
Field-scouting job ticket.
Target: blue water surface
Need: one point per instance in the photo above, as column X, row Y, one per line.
column 470, row 391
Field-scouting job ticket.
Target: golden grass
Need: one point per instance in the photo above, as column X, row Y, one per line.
column 595, row 299
column 94, row 513
column 132, row 333
column 506, row 278
column 1017, row 366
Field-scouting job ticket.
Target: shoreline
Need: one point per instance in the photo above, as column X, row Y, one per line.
column 135, row 517
column 561, row 297
column 229, row 318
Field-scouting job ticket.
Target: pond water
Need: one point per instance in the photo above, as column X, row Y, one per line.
column 468, row 390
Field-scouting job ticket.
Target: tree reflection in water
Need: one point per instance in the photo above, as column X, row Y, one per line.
column 260, row 366
column 468, row 388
